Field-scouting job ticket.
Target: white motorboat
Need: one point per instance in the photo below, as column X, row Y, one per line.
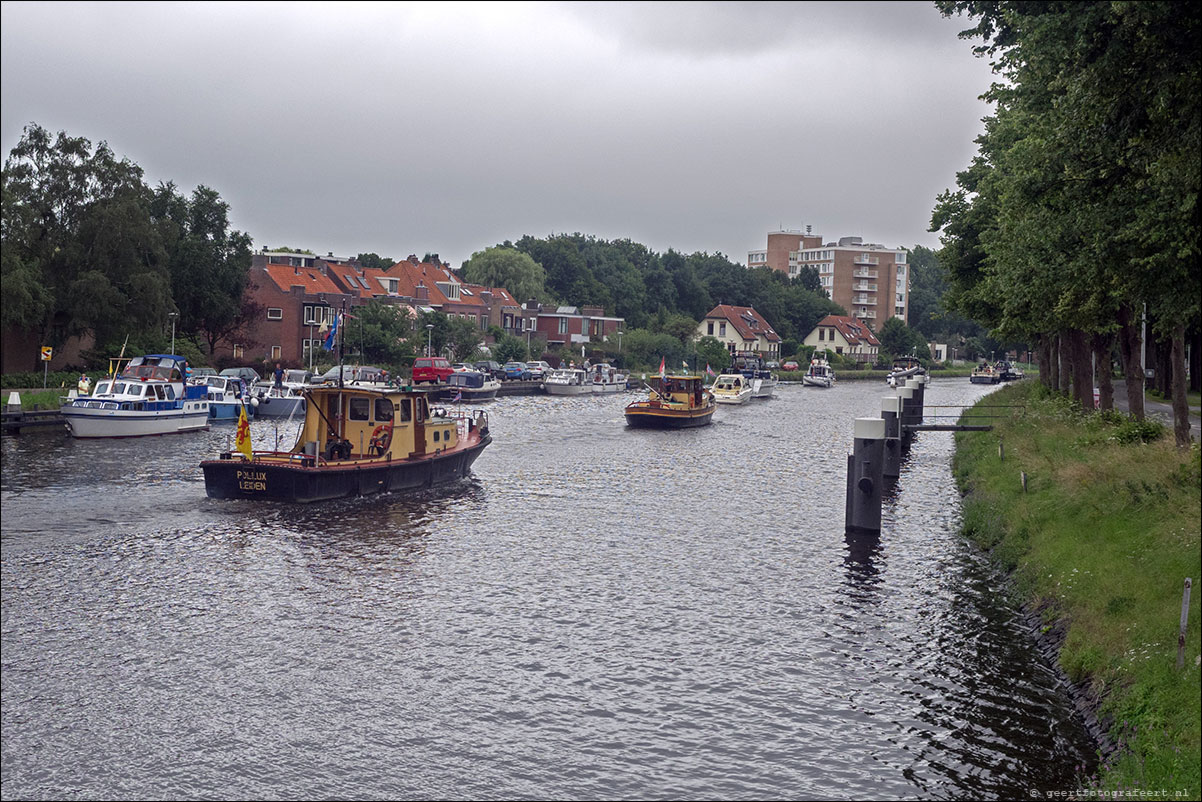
column 732, row 388
column 751, row 365
column 605, row 378
column 148, row 397
column 819, row 374
column 567, row 381
column 279, row 402
column 227, row 396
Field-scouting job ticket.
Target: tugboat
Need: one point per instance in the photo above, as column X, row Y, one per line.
column 355, row 441
column 674, row 402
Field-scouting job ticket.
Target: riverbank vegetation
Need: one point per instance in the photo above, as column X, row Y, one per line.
column 1078, row 216
column 1099, row 542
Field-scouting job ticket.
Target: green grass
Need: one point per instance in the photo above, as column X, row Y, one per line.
column 43, row 399
column 1103, row 539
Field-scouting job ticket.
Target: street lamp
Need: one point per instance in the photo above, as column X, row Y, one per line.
column 620, row 333
column 429, row 339
column 173, row 316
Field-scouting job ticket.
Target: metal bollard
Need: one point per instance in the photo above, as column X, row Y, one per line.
column 919, row 396
column 891, row 414
column 864, row 478
column 14, row 402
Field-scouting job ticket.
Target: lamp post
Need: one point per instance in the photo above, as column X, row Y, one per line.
column 620, row 333
column 429, row 339
column 173, row 316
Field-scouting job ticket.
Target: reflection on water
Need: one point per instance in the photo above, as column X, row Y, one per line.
column 597, row 612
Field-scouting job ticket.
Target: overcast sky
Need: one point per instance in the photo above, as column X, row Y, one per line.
column 450, row 127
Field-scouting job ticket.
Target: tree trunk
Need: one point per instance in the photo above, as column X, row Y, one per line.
column 1082, row 369
column 1045, row 361
column 1133, row 368
column 1180, row 405
column 1103, row 346
column 1054, row 363
column 1066, row 363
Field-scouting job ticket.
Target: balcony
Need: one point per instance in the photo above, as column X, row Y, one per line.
column 862, row 299
column 866, row 314
column 863, row 273
column 864, row 287
column 865, row 259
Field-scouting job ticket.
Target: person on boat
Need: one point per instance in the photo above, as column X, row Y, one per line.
column 279, row 377
column 85, row 384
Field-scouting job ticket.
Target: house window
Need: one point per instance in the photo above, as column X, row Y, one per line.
column 563, row 325
column 274, row 313
column 821, row 335
column 276, row 352
column 721, row 329
column 239, row 352
column 710, row 328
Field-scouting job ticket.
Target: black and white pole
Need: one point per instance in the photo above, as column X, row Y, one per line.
column 864, row 478
column 891, row 414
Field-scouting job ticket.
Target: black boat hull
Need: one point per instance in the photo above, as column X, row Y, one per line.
column 234, row 479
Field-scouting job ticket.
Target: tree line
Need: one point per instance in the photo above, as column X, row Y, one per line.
column 89, row 248
column 1078, row 216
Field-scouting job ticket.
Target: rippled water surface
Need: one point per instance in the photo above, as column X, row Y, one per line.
column 599, row 612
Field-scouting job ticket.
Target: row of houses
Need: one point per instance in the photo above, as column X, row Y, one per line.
column 300, row 294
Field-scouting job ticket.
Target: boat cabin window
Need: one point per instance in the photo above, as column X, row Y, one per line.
column 383, row 410
column 101, row 388
column 422, row 409
column 359, row 408
column 404, row 407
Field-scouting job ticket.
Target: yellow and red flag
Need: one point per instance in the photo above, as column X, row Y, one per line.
column 242, row 438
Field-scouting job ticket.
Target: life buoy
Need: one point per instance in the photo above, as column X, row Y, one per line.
column 381, row 438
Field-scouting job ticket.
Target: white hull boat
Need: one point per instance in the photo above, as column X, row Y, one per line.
column 149, row 397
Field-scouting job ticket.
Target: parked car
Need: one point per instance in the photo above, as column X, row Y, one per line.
column 517, row 371
column 790, row 365
column 461, row 367
column 352, row 374
column 431, row 369
column 538, row 369
column 201, row 373
column 493, row 369
column 248, row 375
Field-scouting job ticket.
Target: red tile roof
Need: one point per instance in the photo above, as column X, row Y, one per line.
column 747, row 322
column 851, row 328
column 311, row 278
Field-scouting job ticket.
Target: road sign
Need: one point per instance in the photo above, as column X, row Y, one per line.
column 47, row 353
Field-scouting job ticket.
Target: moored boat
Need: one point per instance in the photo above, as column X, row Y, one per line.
column 149, row 396
column 674, row 402
column 567, row 381
column 356, row 441
column 819, row 373
column 985, row 374
column 731, row 388
column 227, row 396
column 469, row 386
column 278, row 402
column 605, row 378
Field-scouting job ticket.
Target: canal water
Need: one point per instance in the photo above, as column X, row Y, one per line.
column 598, row 613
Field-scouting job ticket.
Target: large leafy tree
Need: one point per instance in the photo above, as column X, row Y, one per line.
column 77, row 220
column 508, row 268
column 209, row 263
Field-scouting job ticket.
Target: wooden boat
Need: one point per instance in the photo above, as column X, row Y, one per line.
column 356, row 441
column 149, row 396
column 732, row 388
column 674, row 402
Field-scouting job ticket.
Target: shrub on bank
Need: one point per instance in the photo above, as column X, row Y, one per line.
column 1100, row 542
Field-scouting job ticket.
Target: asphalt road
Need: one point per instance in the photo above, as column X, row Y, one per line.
column 1155, row 408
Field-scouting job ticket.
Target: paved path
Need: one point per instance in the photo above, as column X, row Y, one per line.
column 1157, row 409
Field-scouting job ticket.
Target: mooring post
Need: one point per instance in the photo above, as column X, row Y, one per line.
column 891, row 414
column 905, row 413
column 14, row 402
column 864, row 478
column 916, row 386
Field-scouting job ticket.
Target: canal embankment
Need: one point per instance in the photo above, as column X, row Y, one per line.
column 1097, row 520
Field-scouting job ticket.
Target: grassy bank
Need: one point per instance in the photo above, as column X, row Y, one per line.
column 1100, row 543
